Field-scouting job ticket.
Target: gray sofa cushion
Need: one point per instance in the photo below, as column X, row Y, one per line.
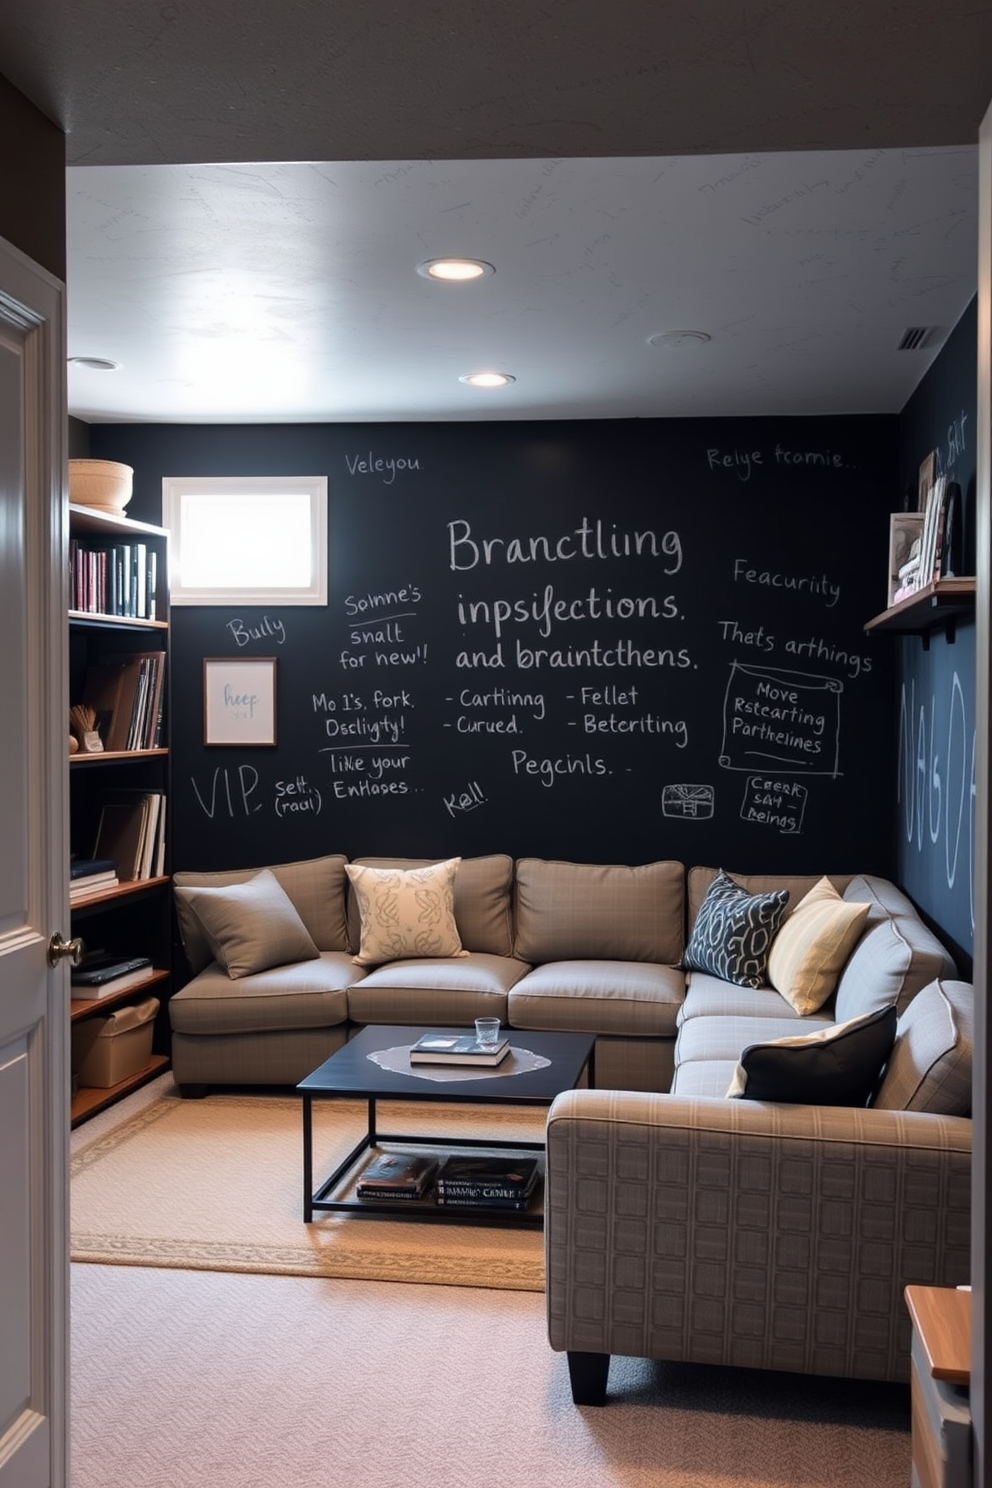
column 446, row 991
column 315, row 885
column 592, row 911
column 312, row 994
column 483, row 900
column 702, row 1039
column 711, row 997
column 895, row 958
column 930, row 1066
column 607, row 997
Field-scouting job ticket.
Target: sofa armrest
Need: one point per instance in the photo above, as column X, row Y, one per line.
column 740, row 1232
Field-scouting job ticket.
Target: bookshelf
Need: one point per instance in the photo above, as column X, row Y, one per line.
column 118, row 673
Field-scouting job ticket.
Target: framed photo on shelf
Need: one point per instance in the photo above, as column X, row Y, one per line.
column 905, row 533
column 927, row 480
column 239, row 700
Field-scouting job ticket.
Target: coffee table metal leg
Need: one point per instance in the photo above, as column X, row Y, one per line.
column 307, row 1159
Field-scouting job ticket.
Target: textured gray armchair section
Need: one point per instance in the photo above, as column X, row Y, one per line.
column 738, row 1232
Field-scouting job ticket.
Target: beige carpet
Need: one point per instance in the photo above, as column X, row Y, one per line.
column 217, row 1185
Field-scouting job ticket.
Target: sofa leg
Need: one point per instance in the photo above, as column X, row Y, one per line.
column 587, row 1374
column 192, row 1092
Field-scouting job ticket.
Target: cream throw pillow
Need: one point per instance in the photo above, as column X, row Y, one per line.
column 406, row 912
column 809, row 951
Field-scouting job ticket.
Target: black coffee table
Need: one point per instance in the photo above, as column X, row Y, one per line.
column 351, row 1075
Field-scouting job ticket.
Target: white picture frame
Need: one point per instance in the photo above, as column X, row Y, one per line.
column 239, row 701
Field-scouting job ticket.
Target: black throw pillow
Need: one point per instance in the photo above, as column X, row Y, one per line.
column 838, row 1066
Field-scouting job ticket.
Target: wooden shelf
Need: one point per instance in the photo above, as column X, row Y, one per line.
column 81, row 1007
column 88, row 519
column 116, row 622
column 110, row 756
column 937, row 604
column 89, row 1099
column 123, row 890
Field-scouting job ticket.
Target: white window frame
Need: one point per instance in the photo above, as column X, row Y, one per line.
column 175, row 488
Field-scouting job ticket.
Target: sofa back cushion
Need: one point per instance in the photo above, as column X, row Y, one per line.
column 316, row 887
column 929, row 1068
column 699, row 879
column 896, row 956
column 599, row 911
column 483, row 900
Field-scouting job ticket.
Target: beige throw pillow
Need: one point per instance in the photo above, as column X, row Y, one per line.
column 251, row 926
column 406, row 912
column 809, row 951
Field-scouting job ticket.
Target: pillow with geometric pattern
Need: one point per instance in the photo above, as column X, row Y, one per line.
column 734, row 931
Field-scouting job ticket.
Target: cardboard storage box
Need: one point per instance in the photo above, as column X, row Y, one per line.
column 108, row 1050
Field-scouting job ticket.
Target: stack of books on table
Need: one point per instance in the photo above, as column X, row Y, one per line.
column 91, row 877
column 397, row 1175
column 487, row 1182
column 452, row 1048
column 103, row 974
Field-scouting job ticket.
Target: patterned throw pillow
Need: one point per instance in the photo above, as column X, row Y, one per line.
column 734, row 931
column 406, row 912
column 836, row 1066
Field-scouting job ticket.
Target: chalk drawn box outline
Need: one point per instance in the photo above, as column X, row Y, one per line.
column 763, row 762
column 751, row 786
column 224, row 728
column 688, row 802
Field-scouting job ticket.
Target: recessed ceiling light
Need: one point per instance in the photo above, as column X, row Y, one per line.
column 95, row 364
column 455, row 270
column 676, row 340
column 487, row 379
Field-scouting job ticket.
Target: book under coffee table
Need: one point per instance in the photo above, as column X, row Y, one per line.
column 375, row 1066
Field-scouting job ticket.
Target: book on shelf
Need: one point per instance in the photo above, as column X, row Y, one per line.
column 131, row 832
column 103, row 974
column 397, row 1175
column 449, row 1048
column 81, row 889
column 90, row 867
column 125, row 694
column 502, row 1181
column 119, row 579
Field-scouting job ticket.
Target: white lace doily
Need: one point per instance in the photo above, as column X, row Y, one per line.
column 397, row 1059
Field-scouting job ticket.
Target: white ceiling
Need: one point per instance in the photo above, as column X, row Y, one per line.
column 797, row 180
column 290, row 292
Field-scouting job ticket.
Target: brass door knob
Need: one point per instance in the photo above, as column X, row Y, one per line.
column 65, row 950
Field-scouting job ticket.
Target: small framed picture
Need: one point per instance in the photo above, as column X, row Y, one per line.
column 239, row 700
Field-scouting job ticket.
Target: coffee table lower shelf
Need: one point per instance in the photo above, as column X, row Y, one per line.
column 336, row 1194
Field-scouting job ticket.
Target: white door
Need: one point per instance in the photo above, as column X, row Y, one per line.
column 34, row 1063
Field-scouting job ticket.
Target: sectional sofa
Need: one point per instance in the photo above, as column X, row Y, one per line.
column 733, row 1191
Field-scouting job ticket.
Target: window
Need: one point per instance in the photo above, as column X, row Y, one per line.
column 247, row 539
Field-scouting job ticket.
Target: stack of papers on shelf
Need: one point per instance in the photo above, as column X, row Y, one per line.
column 89, row 877
column 103, row 974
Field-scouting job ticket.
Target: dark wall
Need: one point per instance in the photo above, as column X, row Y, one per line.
column 660, row 654
column 935, row 699
column 32, row 181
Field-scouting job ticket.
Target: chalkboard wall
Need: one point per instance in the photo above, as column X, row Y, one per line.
column 935, row 698
column 613, row 641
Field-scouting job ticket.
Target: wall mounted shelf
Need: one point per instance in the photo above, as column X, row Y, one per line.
column 937, row 604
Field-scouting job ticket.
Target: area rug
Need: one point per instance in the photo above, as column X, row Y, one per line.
column 216, row 1185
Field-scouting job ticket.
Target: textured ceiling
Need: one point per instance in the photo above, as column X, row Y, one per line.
column 830, row 212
